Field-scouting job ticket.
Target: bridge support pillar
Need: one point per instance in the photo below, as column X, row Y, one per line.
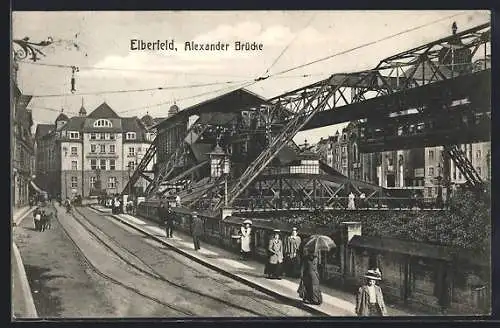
column 348, row 230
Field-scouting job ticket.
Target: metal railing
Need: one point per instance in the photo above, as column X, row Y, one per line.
column 291, row 203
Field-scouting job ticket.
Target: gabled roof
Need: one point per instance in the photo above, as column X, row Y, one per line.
column 233, row 101
column 88, row 125
column 103, row 111
column 43, row 130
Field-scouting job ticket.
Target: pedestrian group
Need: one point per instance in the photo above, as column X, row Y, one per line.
column 42, row 219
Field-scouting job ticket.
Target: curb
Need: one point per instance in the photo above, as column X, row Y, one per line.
column 245, row 281
column 28, row 297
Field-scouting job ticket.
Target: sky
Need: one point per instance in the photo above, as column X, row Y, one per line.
column 289, row 38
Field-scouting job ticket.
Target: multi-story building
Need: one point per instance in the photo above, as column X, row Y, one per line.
column 420, row 169
column 442, row 171
column 22, row 148
column 90, row 154
column 390, row 169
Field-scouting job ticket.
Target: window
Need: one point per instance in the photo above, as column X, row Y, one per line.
column 429, row 191
column 112, row 164
column 112, row 182
column 478, row 169
column 103, row 123
column 111, row 136
column 478, row 154
column 130, row 136
column 460, row 175
column 131, row 151
column 74, row 135
column 92, row 148
column 74, row 151
column 103, row 148
column 431, row 171
column 102, row 136
column 92, row 182
column 139, row 149
column 74, row 182
column 431, row 155
column 74, row 165
column 102, row 163
column 92, row 136
column 112, row 149
column 131, row 165
column 344, row 149
column 93, row 164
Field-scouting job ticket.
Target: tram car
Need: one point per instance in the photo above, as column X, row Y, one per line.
column 221, row 233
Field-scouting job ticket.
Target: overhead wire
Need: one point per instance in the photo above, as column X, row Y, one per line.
column 161, row 88
column 280, row 74
column 223, row 90
column 289, row 44
column 364, row 45
column 123, row 69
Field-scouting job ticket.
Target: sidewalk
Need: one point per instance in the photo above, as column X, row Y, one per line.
column 23, row 305
column 335, row 302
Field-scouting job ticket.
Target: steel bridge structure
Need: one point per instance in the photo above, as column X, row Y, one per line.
column 435, row 94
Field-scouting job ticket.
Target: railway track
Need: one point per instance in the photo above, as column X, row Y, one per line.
column 119, row 283
column 132, row 260
column 161, row 277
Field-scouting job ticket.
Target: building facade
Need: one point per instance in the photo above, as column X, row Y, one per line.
column 390, row 169
column 441, row 171
column 22, row 145
column 92, row 154
column 426, row 170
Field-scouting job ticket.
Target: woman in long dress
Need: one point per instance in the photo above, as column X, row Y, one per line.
column 245, row 239
column 292, row 259
column 275, row 251
column 309, row 289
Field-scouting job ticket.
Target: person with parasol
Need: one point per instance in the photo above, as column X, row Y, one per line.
column 275, row 251
column 309, row 288
column 369, row 299
column 245, row 239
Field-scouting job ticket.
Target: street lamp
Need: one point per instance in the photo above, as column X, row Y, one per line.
column 220, row 165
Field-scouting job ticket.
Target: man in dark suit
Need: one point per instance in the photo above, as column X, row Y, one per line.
column 196, row 230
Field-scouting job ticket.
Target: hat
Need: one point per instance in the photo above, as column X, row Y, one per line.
column 247, row 221
column 194, row 214
column 373, row 274
column 294, row 229
column 276, row 230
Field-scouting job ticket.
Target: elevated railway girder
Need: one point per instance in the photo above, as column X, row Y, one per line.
column 427, row 78
column 390, row 87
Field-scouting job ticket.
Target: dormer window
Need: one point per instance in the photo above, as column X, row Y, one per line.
column 103, row 123
column 74, row 135
column 130, row 136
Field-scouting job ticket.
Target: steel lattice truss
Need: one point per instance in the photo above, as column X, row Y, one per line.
column 287, row 114
column 394, row 74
